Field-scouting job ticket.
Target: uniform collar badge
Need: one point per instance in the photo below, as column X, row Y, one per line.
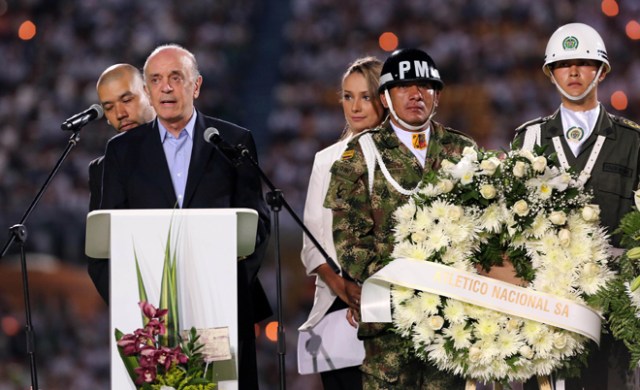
column 575, row 134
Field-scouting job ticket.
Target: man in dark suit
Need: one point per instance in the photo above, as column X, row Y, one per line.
column 167, row 164
column 121, row 93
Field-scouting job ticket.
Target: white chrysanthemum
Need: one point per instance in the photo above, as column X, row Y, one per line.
column 406, row 211
column 548, row 244
column 461, row 231
column 423, row 333
column 579, row 251
column 539, row 226
column 499, row 368
column 578, row 226
column 454, row 312
column 530, row 329
column 544, row 366
column 464, row 265
column 474, row 311
column 486, row 328
column 488, row 350
column 399, row 294
column 542, row 343
column 563, row 263
column 429, row 303
column 492, row 218
column 431, row 190
column 452, row 255
column 413, row 251
column 591, row 282
column 438, row 210
column 407, row 315
column 508, row 343
column 437, row 351
column 436, row 240
column 550, row 251
column 403, row 229
column 459, row 334
column 424, row 219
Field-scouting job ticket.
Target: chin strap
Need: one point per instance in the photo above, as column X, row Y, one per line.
column 403, row 123
column 585, row 93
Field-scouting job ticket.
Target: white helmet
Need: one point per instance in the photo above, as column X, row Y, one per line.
column 575, row 41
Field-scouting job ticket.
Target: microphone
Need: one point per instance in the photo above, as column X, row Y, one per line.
column 77, row 121
column 233, row 153
column 212, row 136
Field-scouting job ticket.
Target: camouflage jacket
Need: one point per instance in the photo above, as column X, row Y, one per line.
column 363, row 225
column 362, row 221
column 616, row 173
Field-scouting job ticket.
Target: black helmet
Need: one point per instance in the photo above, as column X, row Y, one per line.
column 407, row 66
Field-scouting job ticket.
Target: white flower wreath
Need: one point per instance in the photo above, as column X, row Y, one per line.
column 471, row 214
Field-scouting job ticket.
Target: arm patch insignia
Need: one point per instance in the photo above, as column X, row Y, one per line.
column 348, row 154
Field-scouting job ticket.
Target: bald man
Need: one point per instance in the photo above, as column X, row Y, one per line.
column 126, row 105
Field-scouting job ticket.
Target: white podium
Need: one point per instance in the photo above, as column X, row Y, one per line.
column 207, row 243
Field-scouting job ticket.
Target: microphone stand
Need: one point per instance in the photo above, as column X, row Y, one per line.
column 18, row 232
column 275, row 199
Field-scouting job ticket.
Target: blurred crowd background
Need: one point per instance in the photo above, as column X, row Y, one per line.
column 272, row 66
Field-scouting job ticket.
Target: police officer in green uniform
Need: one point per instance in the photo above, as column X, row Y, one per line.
column 377, row 173
column 604, row 149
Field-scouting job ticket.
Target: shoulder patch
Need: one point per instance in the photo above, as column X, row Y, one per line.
column 625, row 122
column 458, row 132
column 348, row 154
column 541, row 119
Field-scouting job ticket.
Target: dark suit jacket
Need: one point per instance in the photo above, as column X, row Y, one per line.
column 95, row 182
column 136, row 176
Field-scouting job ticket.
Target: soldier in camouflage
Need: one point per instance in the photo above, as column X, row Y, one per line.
column 377, row 173
column 603, row 148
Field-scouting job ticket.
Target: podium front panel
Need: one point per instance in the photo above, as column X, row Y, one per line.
column 206, row 253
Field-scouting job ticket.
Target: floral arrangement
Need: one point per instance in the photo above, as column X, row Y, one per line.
column 621, row 298
column 155, row 366
column 155, row 356
column 472, row 215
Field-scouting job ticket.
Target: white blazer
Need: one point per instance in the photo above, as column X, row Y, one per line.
column 325, row 341
column 319, row 221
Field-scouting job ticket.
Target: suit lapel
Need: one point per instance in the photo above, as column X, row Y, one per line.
column 199, row 156
column 157, row 165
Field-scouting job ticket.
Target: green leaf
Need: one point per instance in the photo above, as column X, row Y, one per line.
column 130, row 362
column 142, row 291
column 169, row 293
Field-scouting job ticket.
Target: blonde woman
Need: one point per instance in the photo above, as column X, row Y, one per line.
column 327, row 343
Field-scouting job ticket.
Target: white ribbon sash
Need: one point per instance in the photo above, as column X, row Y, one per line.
column 477, row 290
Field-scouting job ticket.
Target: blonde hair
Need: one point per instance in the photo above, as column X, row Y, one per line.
column 369, row 67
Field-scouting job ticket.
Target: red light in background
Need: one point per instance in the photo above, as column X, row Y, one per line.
column 619, row 100
column 388, row 41
column 610, row 8
column 271, row 331
column 27, row 30
column 633, row 30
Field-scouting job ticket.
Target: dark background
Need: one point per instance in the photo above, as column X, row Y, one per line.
column 273, row 66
